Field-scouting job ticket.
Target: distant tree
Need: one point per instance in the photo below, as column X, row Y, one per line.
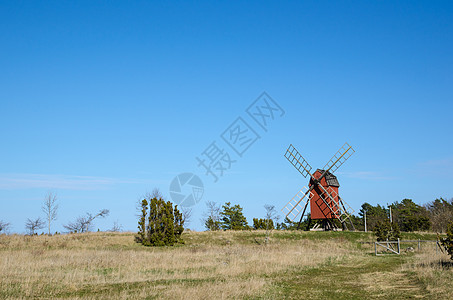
column 117, row 227
column 211, row 219
column 232, row 217
column 410, row 216
column 287, row 224
column 85, row 223
column 142, row 222
column 386, row 231
column 440, row 213
column 164, row 226
column 271, row 215
column 358, row 222
column 32, row 225
column 262, row 224
column 4, row 227
column 50, row 208
column 447, row 242
column 374, row 214
column 186, row 215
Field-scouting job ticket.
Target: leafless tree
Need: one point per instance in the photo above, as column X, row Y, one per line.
column 85, row 223
column 156, row 194
column 211, row 218
column 186, row 215
column 440, row 212
column 271, row 214
column 116, row 227
column 148, row 196
column 32, row 225
column 4, row 227
column 50, row 207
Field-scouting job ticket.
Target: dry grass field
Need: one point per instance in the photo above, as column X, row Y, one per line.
column 218, row 265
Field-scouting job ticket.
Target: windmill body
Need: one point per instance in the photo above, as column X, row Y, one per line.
column 322, row 191
column 318, row 208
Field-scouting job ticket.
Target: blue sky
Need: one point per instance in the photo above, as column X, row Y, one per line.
column 102, row 101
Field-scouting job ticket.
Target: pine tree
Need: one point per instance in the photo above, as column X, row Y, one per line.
column 179, row 224
column 142, row 222
column 265, row 224
column 165, row 224
column 232, row 217
column 386, row 231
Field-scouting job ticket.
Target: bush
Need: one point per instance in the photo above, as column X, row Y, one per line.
column 265, row 224
column 447, row 242
column 386, row 231
column 164, row 226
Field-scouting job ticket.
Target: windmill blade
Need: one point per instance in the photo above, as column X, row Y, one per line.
column 348, row 211
column 293, row 208
column 339, row 158
column 294, row 157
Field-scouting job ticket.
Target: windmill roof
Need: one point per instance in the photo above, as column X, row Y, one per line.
column 330, row 178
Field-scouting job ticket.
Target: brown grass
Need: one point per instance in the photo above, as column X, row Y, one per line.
column 104, row 265
column 435, row 270
column 217, row 265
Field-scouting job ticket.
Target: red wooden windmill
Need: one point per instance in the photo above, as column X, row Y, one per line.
column 322, row 191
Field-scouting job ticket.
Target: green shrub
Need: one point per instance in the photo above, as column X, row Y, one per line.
column 447, row 242
column 164, row 226
column 386, row 231
column 265, row 224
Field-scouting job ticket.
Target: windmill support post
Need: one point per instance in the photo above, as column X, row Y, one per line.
column 303, row 213
column 350, row 221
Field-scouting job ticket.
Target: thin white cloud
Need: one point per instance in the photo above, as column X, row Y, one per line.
column 435, row 167
column 445, row 162
column 50, row 181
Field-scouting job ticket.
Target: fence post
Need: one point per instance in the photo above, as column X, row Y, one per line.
column 375, row 249
column 398, row 245
column 418, row 244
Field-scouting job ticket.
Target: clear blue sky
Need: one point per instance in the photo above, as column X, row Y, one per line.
column 102, row 101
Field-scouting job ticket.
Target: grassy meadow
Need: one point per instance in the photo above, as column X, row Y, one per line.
column 220, row 265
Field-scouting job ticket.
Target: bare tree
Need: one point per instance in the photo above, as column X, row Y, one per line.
column 148, row 196
column 85, row 223
column 32, row 225
column 4, row 227
column 186, row 215
column 271, row 214
column 50, row 208
column 211, row 218
column 116, row 227
column 156, row 194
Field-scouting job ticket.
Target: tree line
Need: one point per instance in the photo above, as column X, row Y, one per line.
column 405, row 214
column 409, row 216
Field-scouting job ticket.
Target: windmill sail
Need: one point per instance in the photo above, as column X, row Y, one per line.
column 297, row 203
column 334, row 205
column 294, row 157
column 339, row 158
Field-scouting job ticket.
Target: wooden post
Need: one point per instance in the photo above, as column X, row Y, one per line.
column 398, row 245
column 418, row 244
column 375, row 249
